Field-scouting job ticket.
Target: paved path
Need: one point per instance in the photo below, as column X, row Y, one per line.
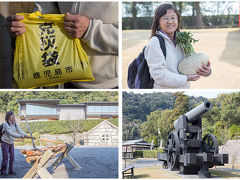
column 221, row 45
column 94, row 162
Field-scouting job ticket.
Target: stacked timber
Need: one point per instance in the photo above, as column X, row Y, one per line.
column 33, row 155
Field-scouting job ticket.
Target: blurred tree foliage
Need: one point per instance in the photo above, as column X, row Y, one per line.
column 204, row 14
column 138, row 109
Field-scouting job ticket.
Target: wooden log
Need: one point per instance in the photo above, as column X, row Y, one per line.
column 34, row 153
column 44, row 174
column 38, row 152
column 23, row 151
column 39, row 164
column 31, row 159
column 49, row 147
column 60, row 148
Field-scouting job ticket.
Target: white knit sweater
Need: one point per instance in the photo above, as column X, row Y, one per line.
column 164, row 71
column 10, row 132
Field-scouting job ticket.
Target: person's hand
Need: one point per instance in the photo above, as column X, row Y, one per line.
column 23, row 136
column 194, row 77
column 30, row 137
column 26, row 136
column 205, row 70
column 15, row 28
column 76, row 25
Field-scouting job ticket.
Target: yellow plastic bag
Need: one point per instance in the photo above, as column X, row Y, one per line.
column 46, row 55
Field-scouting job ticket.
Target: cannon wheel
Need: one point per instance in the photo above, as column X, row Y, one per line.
column 164, row 165
column 173, row 151
column 210, row 144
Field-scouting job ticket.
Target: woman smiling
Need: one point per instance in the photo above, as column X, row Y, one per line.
column 164, row 70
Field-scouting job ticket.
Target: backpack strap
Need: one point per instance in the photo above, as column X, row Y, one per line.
column 162, row 44
column 9, row 125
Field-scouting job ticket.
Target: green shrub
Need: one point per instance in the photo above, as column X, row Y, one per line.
column 19, row 143
column 160, row 150
column 63, row 126
column 150, row 154
column 36, row 135
column 147, row 154
column 234, row 131
column 138, row 154
column 27, row 141
column 114, row 121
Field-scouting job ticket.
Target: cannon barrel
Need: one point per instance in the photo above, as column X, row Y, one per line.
column 195, row 113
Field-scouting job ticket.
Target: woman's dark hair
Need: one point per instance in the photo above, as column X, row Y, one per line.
column 8, row 114
column 161, row 11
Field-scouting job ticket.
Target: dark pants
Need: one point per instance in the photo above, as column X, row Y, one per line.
column 7, row 152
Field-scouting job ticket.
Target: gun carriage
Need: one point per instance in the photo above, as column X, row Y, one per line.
column 186, row 151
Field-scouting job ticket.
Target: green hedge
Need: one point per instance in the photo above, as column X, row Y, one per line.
column 148, row 154
column 64, row 126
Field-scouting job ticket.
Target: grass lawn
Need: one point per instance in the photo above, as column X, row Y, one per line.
column 225, row 174
column 153, row 172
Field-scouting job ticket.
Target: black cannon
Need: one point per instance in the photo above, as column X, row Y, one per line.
column 186, row 151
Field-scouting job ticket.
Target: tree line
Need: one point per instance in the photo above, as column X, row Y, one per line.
column 223, row 120
column 137, row 108
column 193, row 14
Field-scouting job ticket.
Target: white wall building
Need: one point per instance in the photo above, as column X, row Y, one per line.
column 49, row 109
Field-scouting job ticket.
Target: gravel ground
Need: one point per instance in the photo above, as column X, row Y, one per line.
column 221, row 45
column 142, row 162
column 94, row 163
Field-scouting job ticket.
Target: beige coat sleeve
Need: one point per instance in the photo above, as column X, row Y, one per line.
column 102, row 37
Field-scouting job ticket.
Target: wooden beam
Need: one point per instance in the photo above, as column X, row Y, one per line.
column 30, row 173
column 39, row 164
column 73, row 162
column 45, row 140
column 59, row 159
column 46, row 156
column 44, row 174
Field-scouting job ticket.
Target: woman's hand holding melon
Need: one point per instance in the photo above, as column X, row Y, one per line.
column 205, row 70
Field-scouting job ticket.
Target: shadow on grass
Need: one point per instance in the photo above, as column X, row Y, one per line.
column 224, row 173
column 231, row 52
column 140, row 176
